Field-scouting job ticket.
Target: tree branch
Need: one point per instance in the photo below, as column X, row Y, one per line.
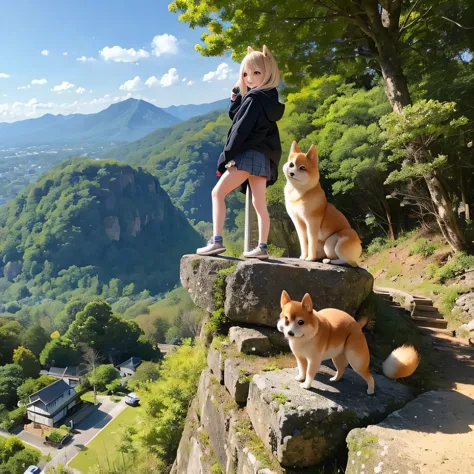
column 457, row 24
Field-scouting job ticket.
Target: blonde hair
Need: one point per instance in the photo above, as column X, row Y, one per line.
column 264, row 62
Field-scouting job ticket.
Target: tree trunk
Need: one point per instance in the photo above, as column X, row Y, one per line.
column 390, row 233
column 444, row 210
column 395, row 82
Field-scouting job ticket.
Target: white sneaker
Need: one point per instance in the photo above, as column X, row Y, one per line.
column 259, row 252
column 212, row 248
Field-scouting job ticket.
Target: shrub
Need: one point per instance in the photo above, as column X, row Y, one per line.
column 458, row 264
column 422, row 247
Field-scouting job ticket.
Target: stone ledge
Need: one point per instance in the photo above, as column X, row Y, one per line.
column 431, row 434
column 249, row 341
column 303, row 427
column 253, row 289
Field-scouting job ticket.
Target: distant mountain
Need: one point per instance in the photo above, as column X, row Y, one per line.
column 121, row 122
column 86, row 222
column 185, row 112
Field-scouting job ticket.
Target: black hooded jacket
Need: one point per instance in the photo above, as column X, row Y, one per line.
column 254, row 127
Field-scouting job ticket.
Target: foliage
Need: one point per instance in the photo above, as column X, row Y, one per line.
column 11, row 377
column 27, row 361
column 422, row 247
column 456, row 265
column 146, row 372
column 102, row 376
column 160, row 327
column 59, row 469
column 166, row 400
column 10, row 331
column 12, row 418
column 34, row 338
column 60, row 352
column 15, row 456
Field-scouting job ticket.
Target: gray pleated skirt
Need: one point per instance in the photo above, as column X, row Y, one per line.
column 254, row 162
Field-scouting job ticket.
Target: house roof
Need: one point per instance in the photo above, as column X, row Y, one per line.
column 50, row 393
column 131, row 363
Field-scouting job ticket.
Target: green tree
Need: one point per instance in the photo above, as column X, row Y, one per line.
column 68, row 314
column 27, row 361
column 102, row 376
column 10, row 337
column 60, row 352
column 146, row 372
column 346, row 35
column 11, row 377
column 160, row 327
column 35, row 338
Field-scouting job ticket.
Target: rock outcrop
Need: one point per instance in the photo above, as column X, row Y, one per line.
column 253, row 288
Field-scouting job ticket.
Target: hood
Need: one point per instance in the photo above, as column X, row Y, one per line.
column 270, row 103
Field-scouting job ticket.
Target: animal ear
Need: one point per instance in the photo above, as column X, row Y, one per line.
column 249, row 49
column 295, row 148
column 307, row 303
column 312, row 153
column 266, row 52
column 285, row 298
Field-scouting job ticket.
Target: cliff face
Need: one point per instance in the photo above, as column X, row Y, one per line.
column 96, row 213
column 250, row 416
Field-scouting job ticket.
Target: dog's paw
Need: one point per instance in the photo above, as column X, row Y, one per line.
column 326, row 260
column 333, row 379
column 303, row 257
column 305, row 385
column 370, row 392
column 300, row 378
column 310, row 258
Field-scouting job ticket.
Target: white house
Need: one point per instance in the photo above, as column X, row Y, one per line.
column 51, row 404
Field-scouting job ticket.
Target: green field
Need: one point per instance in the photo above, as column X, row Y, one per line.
column 102, row 450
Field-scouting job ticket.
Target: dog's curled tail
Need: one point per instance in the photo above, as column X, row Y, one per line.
column 402, row 362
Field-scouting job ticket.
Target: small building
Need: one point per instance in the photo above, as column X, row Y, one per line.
column 129, row 367
column 52, row 403
column 71, row 375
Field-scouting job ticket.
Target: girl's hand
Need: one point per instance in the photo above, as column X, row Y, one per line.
column 235, row 91
column 233, row 96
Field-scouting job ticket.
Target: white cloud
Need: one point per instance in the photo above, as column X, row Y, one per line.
column 122, row 55
column 3, row 108
column 134, row 84
column 80, row 90
column 220, row 73
column 39, row 81
column 183, row 80
column 23, row 87
column 45, row 52
column 190, row 83
column 168, row 79
column 63, row 87
column 65, row 54
column 164, row 44
column 3, row 75
column 84, row 59
column 90, row 92
column 152, row 81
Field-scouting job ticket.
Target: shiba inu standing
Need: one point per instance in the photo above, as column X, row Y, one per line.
column 315, row 336
column 323, row 231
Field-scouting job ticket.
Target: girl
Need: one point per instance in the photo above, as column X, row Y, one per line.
column 253, row 150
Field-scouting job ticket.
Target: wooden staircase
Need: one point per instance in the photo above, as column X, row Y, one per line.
column 422, row 311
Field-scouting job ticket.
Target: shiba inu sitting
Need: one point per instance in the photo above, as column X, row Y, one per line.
column 315, row 336
column 323, row 231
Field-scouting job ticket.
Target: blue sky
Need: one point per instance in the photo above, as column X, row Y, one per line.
column 67, row 57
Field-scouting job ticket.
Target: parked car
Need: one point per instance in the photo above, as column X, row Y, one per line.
column 132, row 399
column 33, row 470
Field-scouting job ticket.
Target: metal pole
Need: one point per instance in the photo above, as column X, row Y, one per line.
column 250, row 218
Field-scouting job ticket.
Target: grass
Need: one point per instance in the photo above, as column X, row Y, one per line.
column 102, row 450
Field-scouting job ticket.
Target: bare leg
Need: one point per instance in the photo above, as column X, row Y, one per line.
column 258, row 184
column 340, row 362
column 302, row 366
column 229, row 181
column 313, row 367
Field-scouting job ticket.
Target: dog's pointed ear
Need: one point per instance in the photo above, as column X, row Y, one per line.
column 266, row 52
column 307, row 303
column 295, row 148
column 285, row 298
column 249, row 49
column 312, row 153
